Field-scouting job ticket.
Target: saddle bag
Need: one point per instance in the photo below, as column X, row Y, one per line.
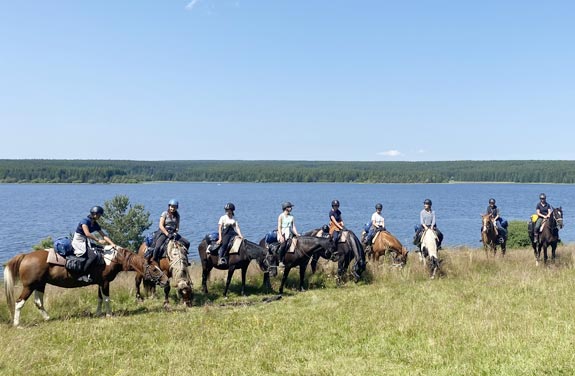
column 75, row 264
column 63, row 246
column 272, row 237
column 149, row 239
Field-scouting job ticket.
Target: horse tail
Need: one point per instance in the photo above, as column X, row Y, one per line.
column 359, row 256
column 11, row 275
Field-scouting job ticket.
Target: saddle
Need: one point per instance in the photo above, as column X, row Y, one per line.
column 75, row 263
column 342, row 238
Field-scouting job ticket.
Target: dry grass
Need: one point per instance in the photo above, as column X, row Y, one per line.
column 491, row 315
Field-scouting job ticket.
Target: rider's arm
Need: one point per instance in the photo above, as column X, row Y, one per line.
column 238, row 230
column 293, row 229
column 106, row 238
column 432, row 218
column 336, row 224
column 421, row 220
column 89, row 235
column 220, row 224
column 280, row 235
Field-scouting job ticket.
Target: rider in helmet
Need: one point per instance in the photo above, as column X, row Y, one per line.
column 377, row 224
column 335, row 221
column 543, row 211
column 82, row 235
column 286, row 229
column 493, row 211
column 228, row 228
column 168, row 229
column 427, row 220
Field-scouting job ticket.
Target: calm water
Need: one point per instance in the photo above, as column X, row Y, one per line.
column 36, row 211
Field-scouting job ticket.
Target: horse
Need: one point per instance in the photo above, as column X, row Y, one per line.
column 348, row 248
column 175, row 266
column 34, row 271
column 489, row 236
column 247, row 252
column 304, row 248
column 429, row 251
column 549, row 235
column 384, row 242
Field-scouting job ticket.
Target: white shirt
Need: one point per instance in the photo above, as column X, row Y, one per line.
column 377, row 219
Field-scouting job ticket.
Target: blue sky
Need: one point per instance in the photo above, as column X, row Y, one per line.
column 287, row 80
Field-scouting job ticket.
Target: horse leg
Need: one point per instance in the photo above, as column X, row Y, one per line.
column 26, row 292
column 503, row 248
column 434, row 266
column 167, row 296
column 244, row 272
column 314, row 260
column 39, row 301
column 138, row 281
column 545, row 258
column 284, row 278
column 104, row 297
column 302, row 268
column 205, row 274
column 267, row 284
column 231, row 271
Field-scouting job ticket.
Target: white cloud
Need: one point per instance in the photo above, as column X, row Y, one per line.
column 192, row 4
column 390, row 153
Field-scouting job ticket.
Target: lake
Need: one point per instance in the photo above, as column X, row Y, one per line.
column 32, row 212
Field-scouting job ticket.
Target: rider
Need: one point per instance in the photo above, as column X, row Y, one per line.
column 427, row 220
column 335, row 221
column 377, row 224
column 543, row 211
column 169, row 228
column 228, row 228
column 493, row 211
column 286, row 229
column 80, row 242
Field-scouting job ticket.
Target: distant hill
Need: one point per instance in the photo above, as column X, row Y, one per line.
column 119, row 171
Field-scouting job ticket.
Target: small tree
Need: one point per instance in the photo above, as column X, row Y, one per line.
column 124, row 223
column 518, row 237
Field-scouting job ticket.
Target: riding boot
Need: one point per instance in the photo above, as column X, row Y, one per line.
column 221, row 253
column 282, row 254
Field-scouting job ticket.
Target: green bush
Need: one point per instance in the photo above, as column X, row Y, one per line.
column 518, row 236
column 44, row 244
column 124, row 223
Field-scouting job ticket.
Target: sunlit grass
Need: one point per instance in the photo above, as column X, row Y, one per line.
column 486, row 315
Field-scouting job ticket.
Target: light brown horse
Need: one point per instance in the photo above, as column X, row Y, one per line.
column 489, row 236
column 175, row 265
column 383, row 243
column 33, row 270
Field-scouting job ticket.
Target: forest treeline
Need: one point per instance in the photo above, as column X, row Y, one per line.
column 119, row 171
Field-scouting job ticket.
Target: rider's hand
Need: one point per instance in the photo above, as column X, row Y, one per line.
column 171, row 235
column 102, row 241
column 219, row 241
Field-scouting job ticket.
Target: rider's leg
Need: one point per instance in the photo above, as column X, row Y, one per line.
column 90, row 258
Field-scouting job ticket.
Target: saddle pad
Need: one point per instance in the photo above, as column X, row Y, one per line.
column 343, row 237
column 318, row 234
column 375, row 237
column 54, row 258
column 292, row 245
column 236, row 245
column 108, row 254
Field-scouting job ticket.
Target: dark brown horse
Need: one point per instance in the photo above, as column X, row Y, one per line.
column 175, row 265
column 549, row 235
column 305, row 247
column 348, row 248
column 384, row 242
column 33, row 270
column 489, row 236
column 247, row 252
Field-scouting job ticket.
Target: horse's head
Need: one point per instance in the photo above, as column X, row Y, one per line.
column 154, row 274
column 486, row 222
column 184, row 288
column 132, row 261
column 558, row 216
column 270, row 262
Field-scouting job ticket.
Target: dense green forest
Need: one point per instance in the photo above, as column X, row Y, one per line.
column 115, row 171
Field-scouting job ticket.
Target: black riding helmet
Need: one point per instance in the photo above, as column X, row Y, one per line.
column 542, row 196
column 97, row 210
column 491, row 201
column 286, row 205
column 378, row 206
column 427, row 202
column 335, row 203
column 230, row 206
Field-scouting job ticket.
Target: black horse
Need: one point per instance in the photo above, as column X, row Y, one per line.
column 305, row 248
column 549, row 235
column 248, row 251
column 348, row 248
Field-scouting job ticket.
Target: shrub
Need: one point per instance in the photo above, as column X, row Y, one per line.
column 124, row 223
column 518, row 236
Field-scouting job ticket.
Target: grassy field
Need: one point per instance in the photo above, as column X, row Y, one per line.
column 485, row 316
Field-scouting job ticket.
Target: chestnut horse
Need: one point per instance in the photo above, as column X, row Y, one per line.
column 384, row 242
column 305, row 247
column 175, row 265
column 345, row 251
column 489, row 235
column 247, row 252
column 33, row 270
column 549, row 235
